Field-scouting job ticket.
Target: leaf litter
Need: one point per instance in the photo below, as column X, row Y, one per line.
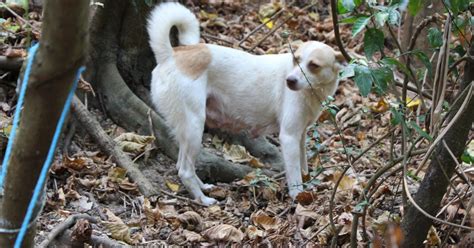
column 256, row 209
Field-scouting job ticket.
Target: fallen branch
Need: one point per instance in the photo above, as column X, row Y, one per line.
column 63, row 226
column 10, row 64
column 66, row 240
column 109, row 146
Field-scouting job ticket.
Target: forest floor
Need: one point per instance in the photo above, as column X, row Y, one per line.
column 255, row 210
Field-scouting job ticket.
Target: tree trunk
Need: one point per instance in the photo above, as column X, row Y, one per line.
column 434, row 185
column 61, row 53
column 123, row 62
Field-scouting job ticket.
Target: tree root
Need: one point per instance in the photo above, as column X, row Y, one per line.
column 108, row 145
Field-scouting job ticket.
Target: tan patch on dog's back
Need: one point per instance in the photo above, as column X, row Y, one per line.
column 192, row 60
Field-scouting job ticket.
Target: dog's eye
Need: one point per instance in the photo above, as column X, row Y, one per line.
column 313, row 66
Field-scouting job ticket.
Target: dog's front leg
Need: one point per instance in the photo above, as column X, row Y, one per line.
column 303, row 161
column 290, row 143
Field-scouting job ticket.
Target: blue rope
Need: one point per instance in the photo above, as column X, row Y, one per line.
column 50, row 156
column 16, row 117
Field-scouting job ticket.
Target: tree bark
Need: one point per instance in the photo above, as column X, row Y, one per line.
column 434, row 185
column 61, row 53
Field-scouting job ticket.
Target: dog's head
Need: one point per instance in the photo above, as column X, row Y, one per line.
column 314, row 63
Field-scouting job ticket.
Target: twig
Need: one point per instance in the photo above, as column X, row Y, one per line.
column 372, row 145
column 421, row 210
column 277, row 27
column 315, row 234
column 469, row 90
column 217, row 38
column 331, row 201
column 459, row 61
column 337, row 35
column 263, row 24
column 369, row 185
column 63, row 226
column 182, row 198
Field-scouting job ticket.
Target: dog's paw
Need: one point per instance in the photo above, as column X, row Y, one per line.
column 207, row 186
column 294, row 192
column 208, row 201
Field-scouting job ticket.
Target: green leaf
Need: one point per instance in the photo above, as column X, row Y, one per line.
column 347, row 72
column 382, row 77
column 348, row 4
column 420, row 131
column 373, row 41
column 397, row 117
column 395, row 63
column 360, row 24
column 349, row 20
column 360, row 207
column 435, row 37
column 425, row 60
column 414, row 6
column 381, row 18
column 363, row 79
column 394, row 16
column 457, row 6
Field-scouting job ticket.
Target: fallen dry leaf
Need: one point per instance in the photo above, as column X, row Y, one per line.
column 172, row 186
column 153, row 215
column 117, row 228
column 261, row 219
column 305, row 198
column 191, row 220
column 223, row 233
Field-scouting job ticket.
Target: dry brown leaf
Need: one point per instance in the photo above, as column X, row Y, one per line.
column 172, row 186
column 218, row 193
column 133, row 143
column 191, row 220
column 302, row 211
column 117, row 228
column 117, row 174
column 89, row 182
column 261, row 219
column 253, row 232
column 15, row 53
column 381, row 107
column 127, row 185
column 238, row 154
column 76, row 164
column 223, row 233
column 345, row 220
column 191, row 236
column 347, row 183
column 305, row 198
column 153, row 215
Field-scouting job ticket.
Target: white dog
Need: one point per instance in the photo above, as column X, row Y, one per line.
column 196, row 84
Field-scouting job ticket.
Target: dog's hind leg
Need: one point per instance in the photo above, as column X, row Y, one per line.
column 189, row 147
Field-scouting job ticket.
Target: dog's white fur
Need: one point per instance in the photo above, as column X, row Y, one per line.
column 237, row 91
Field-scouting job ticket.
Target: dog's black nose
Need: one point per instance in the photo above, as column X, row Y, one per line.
column 291, row 82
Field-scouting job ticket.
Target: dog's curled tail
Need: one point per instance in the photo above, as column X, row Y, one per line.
column 162, row 19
